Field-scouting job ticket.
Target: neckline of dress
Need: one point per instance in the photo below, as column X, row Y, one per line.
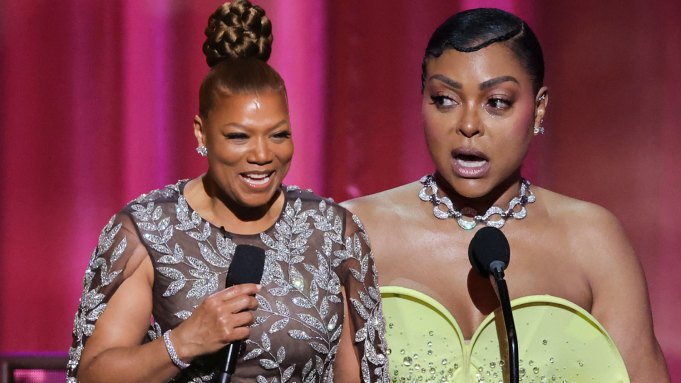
column 181, row 185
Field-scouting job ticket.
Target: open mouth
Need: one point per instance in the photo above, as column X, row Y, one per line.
column 470, row 160
column 257, row 179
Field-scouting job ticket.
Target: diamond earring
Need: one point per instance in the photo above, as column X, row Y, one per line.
column 203, row 151
column 538, row 130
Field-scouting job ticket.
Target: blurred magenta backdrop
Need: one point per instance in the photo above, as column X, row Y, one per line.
column 97, row 100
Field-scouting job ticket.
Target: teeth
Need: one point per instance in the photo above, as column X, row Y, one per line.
column 470, row 164
column 257, row 179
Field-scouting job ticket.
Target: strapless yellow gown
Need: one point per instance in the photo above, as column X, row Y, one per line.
column 558, row 341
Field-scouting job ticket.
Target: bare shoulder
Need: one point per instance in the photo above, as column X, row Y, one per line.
column 387, row 215
column 562, row 206
column 390, row 203
column 593, row 232
column 616, row 280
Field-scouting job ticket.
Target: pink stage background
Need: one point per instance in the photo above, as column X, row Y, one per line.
column 97, row 100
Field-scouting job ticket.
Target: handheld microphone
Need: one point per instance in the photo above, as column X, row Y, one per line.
column 247, row 266
column 489, row 253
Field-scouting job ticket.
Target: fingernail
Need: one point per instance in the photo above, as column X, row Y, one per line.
column 259, row 286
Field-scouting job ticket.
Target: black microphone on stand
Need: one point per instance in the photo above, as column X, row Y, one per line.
column 247, row 266
column 490, row 253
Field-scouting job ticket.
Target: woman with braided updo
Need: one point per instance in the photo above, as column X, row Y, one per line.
column 155, row 307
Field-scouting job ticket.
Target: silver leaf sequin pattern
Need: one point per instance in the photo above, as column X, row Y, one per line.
column 315, row 251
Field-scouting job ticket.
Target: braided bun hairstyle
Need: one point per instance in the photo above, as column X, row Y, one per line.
column 237, row 47
column 237, row 30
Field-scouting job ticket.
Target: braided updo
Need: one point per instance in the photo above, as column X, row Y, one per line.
column 237, row 30
column 237, row 47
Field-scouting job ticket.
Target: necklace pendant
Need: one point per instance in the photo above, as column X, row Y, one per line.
column 465, row 224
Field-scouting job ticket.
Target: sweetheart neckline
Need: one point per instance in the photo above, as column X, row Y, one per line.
column 517, row 302
column 556, row 337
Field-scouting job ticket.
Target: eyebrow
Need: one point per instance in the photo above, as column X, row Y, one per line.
column 484, row 85
column 246, row 127
column 451, row 83
column 497, row 80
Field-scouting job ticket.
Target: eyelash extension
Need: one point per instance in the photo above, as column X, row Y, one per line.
column 438, row 99
column 235, row 135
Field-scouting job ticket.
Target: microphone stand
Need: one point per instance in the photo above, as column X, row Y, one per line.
column 497, row 269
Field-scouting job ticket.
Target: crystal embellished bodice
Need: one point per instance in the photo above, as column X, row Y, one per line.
column 315, row 252
column 558, row 341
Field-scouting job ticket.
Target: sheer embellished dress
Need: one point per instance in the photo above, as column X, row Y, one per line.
column 315, row 252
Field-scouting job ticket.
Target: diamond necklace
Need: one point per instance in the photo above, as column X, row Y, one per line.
column 516, row 208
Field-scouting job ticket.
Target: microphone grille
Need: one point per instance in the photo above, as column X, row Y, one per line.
column 489, row 244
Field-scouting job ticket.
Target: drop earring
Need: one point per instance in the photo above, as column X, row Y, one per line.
column 203, row 151
column 538, row 130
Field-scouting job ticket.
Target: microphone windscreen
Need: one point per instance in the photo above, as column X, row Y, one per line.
column 247, row 265
column 489, row 244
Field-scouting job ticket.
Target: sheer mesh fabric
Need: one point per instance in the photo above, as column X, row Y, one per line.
column 314, row 252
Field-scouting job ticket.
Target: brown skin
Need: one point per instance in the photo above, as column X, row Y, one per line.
column 114, row 352
column 346, row 367
column 247, row 136
column 249, row 144
column 564, row 247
